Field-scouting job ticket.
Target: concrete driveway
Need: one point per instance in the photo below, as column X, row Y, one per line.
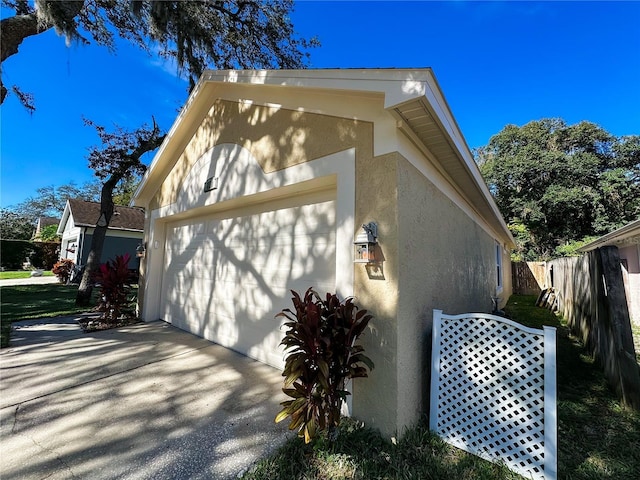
column 141, row 402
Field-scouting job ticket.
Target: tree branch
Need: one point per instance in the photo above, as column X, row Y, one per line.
column 148, row 145
column 14, row 30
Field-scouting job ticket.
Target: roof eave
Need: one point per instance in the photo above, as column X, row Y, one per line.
column 65, row 218
column 443, row 143
column 399, row 87
column 617, row 236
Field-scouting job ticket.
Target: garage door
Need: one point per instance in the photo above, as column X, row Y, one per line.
column 227, row 276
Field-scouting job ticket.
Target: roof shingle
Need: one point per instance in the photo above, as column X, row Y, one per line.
column 86, row 214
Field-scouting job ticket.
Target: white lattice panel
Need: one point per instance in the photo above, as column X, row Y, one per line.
column 492, row 394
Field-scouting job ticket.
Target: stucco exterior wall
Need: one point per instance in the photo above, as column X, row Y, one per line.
column 375, row 398
column 434, row 256
column 278, row 138
column 448, row 262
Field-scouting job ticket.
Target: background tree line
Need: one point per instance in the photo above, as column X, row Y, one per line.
column 18, row 222
column 558, row 186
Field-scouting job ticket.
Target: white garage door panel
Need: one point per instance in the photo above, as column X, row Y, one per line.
column 227, row 278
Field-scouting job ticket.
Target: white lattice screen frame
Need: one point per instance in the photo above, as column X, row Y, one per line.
column 493, row 390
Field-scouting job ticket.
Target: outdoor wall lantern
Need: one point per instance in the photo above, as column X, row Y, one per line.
column 140, row 250
column 365, row 244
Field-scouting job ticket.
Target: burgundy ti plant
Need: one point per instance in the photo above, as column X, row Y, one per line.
column 322, row 356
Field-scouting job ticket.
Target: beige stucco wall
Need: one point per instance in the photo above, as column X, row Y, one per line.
column 278, row 138
column 375, row 398
column 446, row 261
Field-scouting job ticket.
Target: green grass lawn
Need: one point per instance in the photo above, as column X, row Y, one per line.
column 597, row 438
column 21, row 274
column 35, row 301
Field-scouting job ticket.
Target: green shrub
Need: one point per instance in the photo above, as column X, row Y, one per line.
column 40, row 254
column 15, row 253
column 322, row 357
column 45, row 254
column 49, row 234
column 570, row 248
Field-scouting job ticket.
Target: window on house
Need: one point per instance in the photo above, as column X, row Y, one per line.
column 498, row 268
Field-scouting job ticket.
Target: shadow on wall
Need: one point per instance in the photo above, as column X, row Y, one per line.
column 300, row 137
column 227, row 278
column 229, row 267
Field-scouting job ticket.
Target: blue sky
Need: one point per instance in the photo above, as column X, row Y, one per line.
column 498, row 63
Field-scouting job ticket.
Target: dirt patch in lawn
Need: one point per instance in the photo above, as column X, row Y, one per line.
column 96, row 324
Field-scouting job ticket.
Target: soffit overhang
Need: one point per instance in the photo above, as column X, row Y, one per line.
column 441, row 141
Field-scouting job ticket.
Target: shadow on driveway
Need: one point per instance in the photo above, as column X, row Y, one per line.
column 139, row 402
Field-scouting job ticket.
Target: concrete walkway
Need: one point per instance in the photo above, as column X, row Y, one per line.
column 11, row 282
column 140, row 402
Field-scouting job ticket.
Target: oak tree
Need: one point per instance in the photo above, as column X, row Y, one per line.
column 556, row 183
column 196, row 34
column 118, row 158
column 14, row 226
column 50, row 201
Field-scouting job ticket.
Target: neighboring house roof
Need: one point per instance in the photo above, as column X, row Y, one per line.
column 627, row 235
column 411, row 96
column 86, row 214
column 45, row 222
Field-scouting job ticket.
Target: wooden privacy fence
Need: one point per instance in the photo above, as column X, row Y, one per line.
column 493, row 390
column 590, row 295
column 528, row 278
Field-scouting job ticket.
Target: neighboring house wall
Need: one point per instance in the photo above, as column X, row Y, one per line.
column 76, row 244
column 71, row 242
column 630, row 255
column 115, row 243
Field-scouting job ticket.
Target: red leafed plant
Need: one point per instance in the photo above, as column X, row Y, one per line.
column 63, row 270
column 321, row 357
column 113, row 279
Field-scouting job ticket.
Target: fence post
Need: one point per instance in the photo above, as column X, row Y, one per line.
column 435, row 369
column 621, row 324
column 550, row 406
